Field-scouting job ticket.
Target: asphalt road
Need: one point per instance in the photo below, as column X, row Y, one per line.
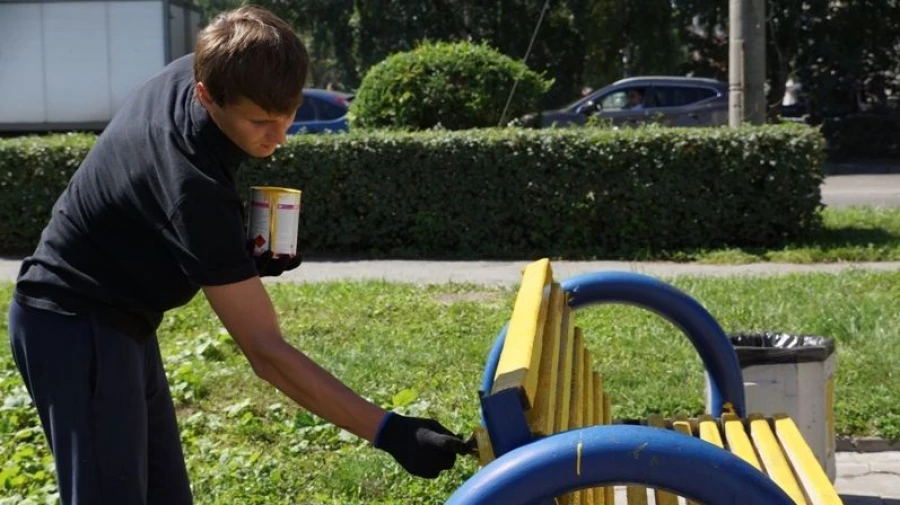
column 869, row 189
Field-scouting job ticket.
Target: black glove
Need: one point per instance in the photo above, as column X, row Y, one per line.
column 269, row 265
column 422, row 446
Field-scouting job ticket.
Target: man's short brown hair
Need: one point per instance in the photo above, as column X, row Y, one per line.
column 250, row 52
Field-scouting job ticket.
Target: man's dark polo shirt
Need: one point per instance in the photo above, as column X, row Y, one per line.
column 150, row 216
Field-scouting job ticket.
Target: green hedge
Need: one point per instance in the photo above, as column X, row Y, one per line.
column 33, row 172
column 502, row 192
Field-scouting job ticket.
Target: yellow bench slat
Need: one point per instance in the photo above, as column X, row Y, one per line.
column 773, row 460
column 485, row 449
column 683, row 427
column 599, row 415
column 807, row 468
column 609, row 491
column 588, row 397
column 662, row 497
column 738, row 442
column 597, row 390
column 636, row 495
column 520, row 359
column 709, row 431
column 576, row 411
column 542, row 416
column 566, row 356
column 588, row 417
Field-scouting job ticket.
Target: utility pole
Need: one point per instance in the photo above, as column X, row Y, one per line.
column 746, row 62
column 755, row 80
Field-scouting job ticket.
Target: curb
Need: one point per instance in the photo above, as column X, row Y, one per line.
column 865, row 444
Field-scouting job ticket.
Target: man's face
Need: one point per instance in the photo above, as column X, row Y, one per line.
column 257, row 132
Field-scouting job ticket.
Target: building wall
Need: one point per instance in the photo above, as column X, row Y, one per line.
column 75, row 62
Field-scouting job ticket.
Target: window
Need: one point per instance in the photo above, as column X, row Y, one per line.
column 679, row 96
column 328, row 110
column 614, row 100
column 306, row 112
column 623, row 99
column 705, row 93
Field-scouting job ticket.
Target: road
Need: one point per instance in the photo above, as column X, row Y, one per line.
column 869, row 189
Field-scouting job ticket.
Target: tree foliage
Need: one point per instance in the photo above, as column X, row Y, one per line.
column 844, row 73
column 846, row 53
column 633, row 37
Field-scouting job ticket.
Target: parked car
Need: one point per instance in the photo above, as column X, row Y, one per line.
column 322, row 110
column 671, row 101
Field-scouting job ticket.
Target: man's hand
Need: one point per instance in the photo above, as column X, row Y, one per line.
column 269, row 265
column 422, row 446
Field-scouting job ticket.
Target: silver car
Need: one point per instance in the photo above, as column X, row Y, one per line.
column 670, row 101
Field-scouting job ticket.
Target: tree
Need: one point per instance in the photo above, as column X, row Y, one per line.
column 843, row 74
column 704, row 30
column 383, row 27
column 807, row 39
column 595, row 42
column 630, row 37
column 787, row 23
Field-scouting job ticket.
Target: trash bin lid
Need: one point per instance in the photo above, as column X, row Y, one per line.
column 770, row 347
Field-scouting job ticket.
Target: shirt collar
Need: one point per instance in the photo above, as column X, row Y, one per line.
column 214, row 140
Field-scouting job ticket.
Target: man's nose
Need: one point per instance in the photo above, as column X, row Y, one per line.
column 278, row 133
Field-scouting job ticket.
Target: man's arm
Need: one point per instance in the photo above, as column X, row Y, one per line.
column 247, row 313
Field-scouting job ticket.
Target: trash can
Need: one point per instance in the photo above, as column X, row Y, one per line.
column 793, row 375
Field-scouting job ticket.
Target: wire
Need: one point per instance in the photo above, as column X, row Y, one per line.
column 527, row 52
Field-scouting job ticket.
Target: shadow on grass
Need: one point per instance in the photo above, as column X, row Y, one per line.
column 851, row 236
column 849, row 499
column 852, row 243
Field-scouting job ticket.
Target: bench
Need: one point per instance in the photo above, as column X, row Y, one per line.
column 548, row 435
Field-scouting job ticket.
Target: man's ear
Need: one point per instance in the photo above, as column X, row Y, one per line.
column 204, row 95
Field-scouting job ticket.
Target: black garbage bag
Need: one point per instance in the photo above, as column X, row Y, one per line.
column 770, row 348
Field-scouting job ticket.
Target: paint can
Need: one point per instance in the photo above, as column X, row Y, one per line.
column 274, row 220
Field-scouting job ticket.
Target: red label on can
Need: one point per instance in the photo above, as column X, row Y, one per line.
column 287, row 206
column 264, row 205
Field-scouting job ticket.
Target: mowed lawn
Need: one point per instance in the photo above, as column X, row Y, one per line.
column 422, row 350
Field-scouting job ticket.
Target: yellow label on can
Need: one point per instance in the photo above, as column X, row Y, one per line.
column 274, row 219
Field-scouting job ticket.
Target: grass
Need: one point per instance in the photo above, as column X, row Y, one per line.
column 849, row 234
column 421, row 350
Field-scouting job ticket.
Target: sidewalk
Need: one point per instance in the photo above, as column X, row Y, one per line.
column 508, row 273
column 868, row 478
column 863, row 478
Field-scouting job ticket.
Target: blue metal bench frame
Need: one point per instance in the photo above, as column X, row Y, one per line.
column 529, row 471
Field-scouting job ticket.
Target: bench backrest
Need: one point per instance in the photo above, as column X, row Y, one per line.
column 544, row 359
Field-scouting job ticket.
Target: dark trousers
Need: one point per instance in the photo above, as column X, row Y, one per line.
column 105, row 407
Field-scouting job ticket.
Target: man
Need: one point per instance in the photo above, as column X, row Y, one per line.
column 151, row 217
column 635, row 99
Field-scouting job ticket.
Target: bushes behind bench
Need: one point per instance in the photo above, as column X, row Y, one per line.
column 500, row 192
